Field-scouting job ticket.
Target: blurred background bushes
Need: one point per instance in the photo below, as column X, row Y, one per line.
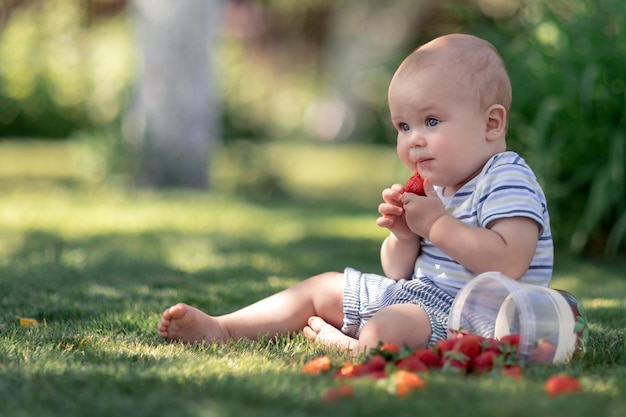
column 317, row 70
column 65, row 66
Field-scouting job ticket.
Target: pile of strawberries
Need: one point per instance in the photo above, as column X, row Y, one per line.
column 401, row 370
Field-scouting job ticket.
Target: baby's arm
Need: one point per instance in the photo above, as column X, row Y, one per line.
column 507, row 245
column 400, row 249
column 397, row 257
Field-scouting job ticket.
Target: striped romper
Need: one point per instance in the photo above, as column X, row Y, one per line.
column 506, row 187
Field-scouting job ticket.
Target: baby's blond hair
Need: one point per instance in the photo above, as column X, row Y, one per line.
column 473, row 61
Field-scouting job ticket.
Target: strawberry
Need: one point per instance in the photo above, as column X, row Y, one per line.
column 411, row 363
column 492, row 345
column 376, row 375
column 389, row 351
column 443, row 346
column 543, row 353
column 469, row 345
column 513, row 371
column 337, row 393
column 428, row 357
column 511, row 340
column 456, row 362
column 389, row 347
column 317, row 365
column 406, row 382
column 374, row 365
column 349, row 370
column 483, row 363
column 562, row 384
column 415, row 184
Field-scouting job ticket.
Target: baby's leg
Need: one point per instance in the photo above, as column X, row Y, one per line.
column 400, row 324
column 328, row 335
column 190, row 325
column 286, row 311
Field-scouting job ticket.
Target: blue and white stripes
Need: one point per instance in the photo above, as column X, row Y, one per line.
column 506, row 187
column 366, row 294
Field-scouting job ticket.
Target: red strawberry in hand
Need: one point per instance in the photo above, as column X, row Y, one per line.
column 415, row 184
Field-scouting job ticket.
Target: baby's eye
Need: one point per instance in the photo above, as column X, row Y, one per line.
column 431, row 121
column 404, row 127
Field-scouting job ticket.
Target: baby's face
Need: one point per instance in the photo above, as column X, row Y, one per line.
column 441, row 127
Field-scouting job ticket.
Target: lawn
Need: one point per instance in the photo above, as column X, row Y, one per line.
column 95, row 263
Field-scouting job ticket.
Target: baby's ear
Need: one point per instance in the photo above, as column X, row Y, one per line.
column 496, row 122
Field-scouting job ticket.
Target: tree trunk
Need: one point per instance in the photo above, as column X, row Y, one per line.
column 175, row 115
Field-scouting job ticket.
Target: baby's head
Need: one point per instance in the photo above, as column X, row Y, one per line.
column 449, row 101
column 469, row 65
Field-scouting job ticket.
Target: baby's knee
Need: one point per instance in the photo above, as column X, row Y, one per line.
column 401, row 324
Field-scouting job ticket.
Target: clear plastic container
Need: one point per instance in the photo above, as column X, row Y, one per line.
column 551, row 323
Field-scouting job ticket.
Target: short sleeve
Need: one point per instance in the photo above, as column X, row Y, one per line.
column 509, row 190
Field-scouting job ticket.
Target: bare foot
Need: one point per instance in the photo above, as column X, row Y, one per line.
column 187, row 324
column 328, row 335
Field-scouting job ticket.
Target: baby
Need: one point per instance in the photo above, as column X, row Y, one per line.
column 483, row 211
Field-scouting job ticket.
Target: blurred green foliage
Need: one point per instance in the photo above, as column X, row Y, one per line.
column 67, row 67
column 61, row 70
column 567, row 61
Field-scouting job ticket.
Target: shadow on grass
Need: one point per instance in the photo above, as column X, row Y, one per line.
column 117, row 390
column 63, row 279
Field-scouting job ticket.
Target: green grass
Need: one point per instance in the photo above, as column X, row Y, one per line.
column 99, row 262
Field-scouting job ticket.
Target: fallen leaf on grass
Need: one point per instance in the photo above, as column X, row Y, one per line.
column 26, row 322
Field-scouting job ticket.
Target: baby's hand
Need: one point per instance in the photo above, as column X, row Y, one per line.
column 422, row 212
column 392, row 213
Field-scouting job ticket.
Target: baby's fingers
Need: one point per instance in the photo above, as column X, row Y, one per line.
column 393, row 194
column 386, row 222
column 389, row 210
